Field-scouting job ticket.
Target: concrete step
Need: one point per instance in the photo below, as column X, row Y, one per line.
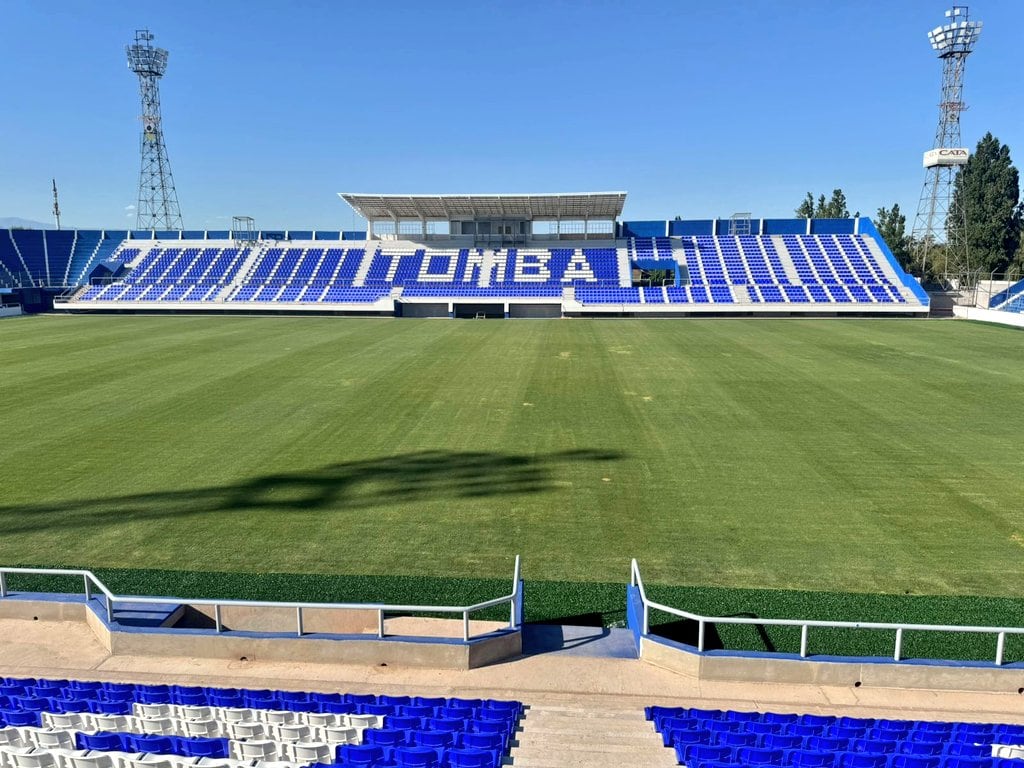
column 565, row 736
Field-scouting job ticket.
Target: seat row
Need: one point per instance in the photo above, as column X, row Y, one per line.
column 745, row 733
column 487, row 746
column 705, row 738
column 353, row 757
column 17, row 693
column 373, row 756
column 658, row 714
column 694, row 756
column 35, row 757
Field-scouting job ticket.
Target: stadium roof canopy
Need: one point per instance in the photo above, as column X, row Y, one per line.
column 546, row 207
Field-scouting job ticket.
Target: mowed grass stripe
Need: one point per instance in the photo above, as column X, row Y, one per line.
column 822, row 455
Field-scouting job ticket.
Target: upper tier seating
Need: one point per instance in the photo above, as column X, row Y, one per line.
column 711, row 738
column 79, row 724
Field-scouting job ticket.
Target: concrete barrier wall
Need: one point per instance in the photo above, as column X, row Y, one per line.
column 1015, row 319
column 853, row 673
column 431, row 652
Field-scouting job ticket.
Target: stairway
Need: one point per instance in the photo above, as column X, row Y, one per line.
column 566, row 736
column 248, row 265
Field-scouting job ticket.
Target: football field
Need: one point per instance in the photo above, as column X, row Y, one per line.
column 873, row 456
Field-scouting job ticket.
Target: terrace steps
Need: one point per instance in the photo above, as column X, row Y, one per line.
column 242, row 274
column 566, row 736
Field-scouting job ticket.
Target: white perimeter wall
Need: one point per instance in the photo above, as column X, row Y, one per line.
column 990, row 316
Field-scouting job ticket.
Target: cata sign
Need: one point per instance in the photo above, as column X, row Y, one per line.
column 946, row 156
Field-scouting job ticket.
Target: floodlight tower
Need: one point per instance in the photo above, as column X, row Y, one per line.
column 940, row 218
column 158, row 200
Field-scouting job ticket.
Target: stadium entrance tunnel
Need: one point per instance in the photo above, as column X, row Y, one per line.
column 479, row 311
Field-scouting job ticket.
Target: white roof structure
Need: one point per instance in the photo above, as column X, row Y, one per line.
column 542, row 207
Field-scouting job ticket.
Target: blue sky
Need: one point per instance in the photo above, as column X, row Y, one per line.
column 697, row 110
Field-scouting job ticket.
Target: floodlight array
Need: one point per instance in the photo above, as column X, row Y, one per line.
column 959, row 36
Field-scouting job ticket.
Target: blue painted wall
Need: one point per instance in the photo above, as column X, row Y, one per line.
column 634, row 614
column 831, row 226
column 327, row 234
column 643, row 228
column 785, row 226
column 354, row 234
column 690, row 228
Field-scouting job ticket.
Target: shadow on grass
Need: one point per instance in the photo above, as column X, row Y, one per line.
column 687, row 631
column 347, row 486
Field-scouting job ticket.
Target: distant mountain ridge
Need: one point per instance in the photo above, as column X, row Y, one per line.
column 10, row 222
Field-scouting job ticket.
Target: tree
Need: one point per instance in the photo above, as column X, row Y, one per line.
column 834, row 208
column 988, row 188
column 892, row 226
column 806, row 209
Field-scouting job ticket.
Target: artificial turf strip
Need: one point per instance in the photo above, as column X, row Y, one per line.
column 604, row 604
column 861, row 456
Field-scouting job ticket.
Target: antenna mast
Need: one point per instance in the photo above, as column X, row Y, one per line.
column 158, row 200
column 56, row 205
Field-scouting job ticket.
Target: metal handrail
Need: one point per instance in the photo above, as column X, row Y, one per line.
column 90, row 581
column 806, row 624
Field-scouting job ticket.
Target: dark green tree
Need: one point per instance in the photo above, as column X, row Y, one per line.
column 988, row 188
column 806, row 209
column 892, row 226
column 834, row 208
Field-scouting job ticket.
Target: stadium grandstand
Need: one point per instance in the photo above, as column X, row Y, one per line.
column 478, row 255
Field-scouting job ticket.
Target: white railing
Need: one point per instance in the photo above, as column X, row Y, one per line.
column 805, row 624
column 91, row 582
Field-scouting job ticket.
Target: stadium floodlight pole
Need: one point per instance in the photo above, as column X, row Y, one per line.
column 941, row 218
column 158, row 200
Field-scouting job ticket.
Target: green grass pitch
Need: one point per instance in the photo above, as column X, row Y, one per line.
column 816, row 457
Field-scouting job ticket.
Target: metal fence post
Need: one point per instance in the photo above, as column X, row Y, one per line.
column 898, row 652
column 110, row 610
column 3, row 584
column 1000, row 645
column 803, row 642
column 380, row 623
column 216, row 618
column 298, row 620
column 88, row 588
column 700, row 635
column 465, row 626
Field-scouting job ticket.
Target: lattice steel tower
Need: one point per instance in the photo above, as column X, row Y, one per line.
column 940, row 219
column 158, row 200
